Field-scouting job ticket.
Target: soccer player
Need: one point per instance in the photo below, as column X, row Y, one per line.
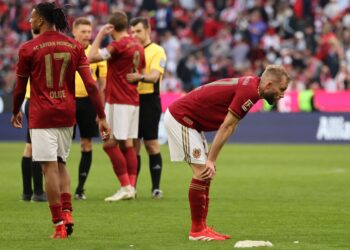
column 85, row 112
column 220, row 106
column 50, row 61
column 124, row 55
column 150, row 106
column 31, row 169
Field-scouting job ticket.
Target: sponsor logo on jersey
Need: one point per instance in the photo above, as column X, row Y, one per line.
column 196, row 153
column 247, row 105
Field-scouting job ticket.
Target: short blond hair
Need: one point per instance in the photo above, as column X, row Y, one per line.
column 81, row 21
column 276, row 71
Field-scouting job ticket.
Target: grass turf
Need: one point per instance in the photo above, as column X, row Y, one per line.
column 280, row 193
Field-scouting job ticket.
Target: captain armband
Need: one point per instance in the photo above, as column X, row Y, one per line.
column 104, row 53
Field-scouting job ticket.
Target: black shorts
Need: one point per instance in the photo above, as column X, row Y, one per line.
column 150, row 112
column 86, row 118
column 26, row 111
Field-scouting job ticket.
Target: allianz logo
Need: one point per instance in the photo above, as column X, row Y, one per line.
column 333, row 128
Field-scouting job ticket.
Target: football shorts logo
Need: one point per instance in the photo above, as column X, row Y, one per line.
column 196, row 153
column 247, row 105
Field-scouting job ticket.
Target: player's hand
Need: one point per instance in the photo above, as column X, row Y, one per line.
column 209, row 171
column 107, row 29
column 16, row 120
column 133, row 77
column 104, row 129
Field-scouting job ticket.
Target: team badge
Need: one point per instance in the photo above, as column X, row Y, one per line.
column 247, row 105
column 196, row 153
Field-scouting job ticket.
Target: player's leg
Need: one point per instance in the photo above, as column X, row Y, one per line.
column 138, row 141
column 137, row 146
column 26, row 172
column 128, row 130
column 187, row 144
column 26, row 163
column 39, row 195
column 155, row 166
column 35, row 167
column 44, row 150
column 129, row 153
column 52, row 187
column 66, row 199
column 84, row 167
column 151, row 110
column 112, row 149
column 86, row 120
column 197, row 196
column 64, row 145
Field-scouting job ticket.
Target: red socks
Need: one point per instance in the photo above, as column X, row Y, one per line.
column 66, row 202
column 131, row 162
column 198, row 203
column 119, row 164
column 56, row 213
column 206, row 203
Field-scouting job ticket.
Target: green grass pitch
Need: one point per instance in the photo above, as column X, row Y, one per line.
column 280, row 193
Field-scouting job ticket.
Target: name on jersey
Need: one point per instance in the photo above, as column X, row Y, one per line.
column 247, row 105
column 54, row 43
column 57, row 94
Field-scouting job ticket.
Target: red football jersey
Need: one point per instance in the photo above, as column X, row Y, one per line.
column 127, row 57
column 206, row 107
column 50, row 61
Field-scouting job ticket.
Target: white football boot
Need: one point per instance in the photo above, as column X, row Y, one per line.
column 124, row 193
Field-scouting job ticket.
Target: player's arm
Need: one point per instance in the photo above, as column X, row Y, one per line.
column 101, row 79
column 157, row 66
column 94, row 97
column 101, row 87
column 96, row 54
column 18, row 98
column 226, row 129
column 152, row 77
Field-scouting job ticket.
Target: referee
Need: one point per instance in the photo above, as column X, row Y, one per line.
column 150, row 106
column 85, row 112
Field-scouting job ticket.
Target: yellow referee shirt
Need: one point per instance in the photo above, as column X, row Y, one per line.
column 28, row 90
column 155, row 59
column 80, row 90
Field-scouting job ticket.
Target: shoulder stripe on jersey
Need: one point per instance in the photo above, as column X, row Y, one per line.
column 84, row 66
column 231, row 81
column 234, row 114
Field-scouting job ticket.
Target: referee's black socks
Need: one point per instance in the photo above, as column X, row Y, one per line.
column 155, row 165
column 84, row 168
column 27, row 177
column 37, row 178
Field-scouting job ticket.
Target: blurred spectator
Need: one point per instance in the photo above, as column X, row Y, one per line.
column 171, row 45
column 171, row 83
column 257, row 28
column 207, row 39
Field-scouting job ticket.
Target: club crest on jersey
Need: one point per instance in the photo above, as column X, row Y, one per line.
column 247, row 105
column 196, row 153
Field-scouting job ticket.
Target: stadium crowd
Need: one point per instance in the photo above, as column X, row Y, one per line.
column 206, row 40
